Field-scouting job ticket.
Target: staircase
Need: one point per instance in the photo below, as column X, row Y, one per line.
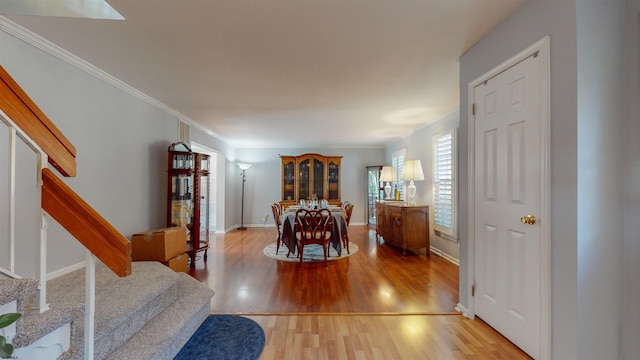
column 112, row 308
column 150, row 314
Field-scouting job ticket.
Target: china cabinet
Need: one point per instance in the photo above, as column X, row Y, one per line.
column 310, row 176
column 188, row 197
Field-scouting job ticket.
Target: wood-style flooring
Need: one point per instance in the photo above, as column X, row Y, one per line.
column 375, row 304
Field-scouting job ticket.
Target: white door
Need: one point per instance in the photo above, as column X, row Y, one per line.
column 507, row 189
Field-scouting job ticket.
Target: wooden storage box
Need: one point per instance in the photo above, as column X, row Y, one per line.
column 159, row 245
column 179, row 263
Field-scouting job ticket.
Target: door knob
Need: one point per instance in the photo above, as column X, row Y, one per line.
column 528, row 219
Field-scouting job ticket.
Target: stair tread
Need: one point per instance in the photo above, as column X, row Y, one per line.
column 116, row 297
column 32, row 327
column 16, row 289
column 167, row 333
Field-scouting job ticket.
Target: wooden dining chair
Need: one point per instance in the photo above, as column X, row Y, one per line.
column 348, row 209
column 277, row 218
column 313, row 227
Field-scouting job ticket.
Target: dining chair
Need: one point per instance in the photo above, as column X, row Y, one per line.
column 348, row 209
column 313, row 227
column 277, row 218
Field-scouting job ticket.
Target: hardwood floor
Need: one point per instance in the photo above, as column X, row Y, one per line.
column 375, row 304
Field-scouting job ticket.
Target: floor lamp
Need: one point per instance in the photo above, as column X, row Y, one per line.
column 244, row 168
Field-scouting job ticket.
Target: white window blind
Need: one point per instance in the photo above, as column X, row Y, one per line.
column 397, row 161
column 444, row 183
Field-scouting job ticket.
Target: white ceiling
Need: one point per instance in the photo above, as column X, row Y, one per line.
column 287, row 73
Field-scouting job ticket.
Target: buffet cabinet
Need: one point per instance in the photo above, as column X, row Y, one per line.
column 405, row 226
column 188, row 197
column 310, row 176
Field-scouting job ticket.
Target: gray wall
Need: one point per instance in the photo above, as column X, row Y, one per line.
column 263, row 186
column 121, row 144
column 419, row 146
column 631, row 200
column 586, row 120
column 600, row 34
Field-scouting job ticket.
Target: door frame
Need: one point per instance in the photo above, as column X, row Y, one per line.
column 542, row 49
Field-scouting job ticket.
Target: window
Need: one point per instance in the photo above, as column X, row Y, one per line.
column 397, row 160
column 444, row 184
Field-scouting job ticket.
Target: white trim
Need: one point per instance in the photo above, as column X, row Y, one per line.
column 542, row 46
column 445, row 256
column 50, row 48
column 50, row 346
column 463, row 310
column 54, row 274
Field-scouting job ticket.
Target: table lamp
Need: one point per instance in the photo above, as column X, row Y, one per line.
column 413, row 172
column 387, row 174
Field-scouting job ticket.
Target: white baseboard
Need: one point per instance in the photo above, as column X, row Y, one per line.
column 65, row 270
column 463, row 310
column 446, row 256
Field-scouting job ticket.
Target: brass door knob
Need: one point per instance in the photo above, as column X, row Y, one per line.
column 528, row 219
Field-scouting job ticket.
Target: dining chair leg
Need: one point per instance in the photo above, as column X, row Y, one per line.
column 300, row 252
column 325, row 251
column 277, row 243
column 345, row 243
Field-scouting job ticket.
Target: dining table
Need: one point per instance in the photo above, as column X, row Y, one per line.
column 288, row 233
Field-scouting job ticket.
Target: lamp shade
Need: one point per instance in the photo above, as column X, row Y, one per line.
column 388, row 174
column 412, row 170
column 244, row 166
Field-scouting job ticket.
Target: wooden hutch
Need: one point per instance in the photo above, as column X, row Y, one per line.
column 307, row 175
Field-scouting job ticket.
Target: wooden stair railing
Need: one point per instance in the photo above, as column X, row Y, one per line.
column 62, row 203
column 85, row 224
column 26, row 114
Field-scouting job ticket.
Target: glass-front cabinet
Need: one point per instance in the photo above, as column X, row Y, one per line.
column 333, row 177
column 288, row 178
column 311, row 176
column 188, row 197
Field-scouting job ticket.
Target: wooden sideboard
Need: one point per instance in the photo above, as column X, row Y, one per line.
column 406, row 226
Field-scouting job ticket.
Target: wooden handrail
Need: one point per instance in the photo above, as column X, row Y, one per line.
column 28, row 116
column 85, row 224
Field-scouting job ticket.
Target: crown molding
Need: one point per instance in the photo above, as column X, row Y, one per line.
column 54, row 50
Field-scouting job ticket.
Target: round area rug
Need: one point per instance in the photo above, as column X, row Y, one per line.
column 228, row 337
column 312, row 253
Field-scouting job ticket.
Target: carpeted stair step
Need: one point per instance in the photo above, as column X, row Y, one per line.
column 19, row 290
column 31, row 327
column 166, row 334
column 123, row 305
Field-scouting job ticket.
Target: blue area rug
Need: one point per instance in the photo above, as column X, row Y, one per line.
column 225, row 337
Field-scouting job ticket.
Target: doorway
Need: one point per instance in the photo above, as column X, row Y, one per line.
column 509, row 258
column 375, row 192
column 213, row 181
